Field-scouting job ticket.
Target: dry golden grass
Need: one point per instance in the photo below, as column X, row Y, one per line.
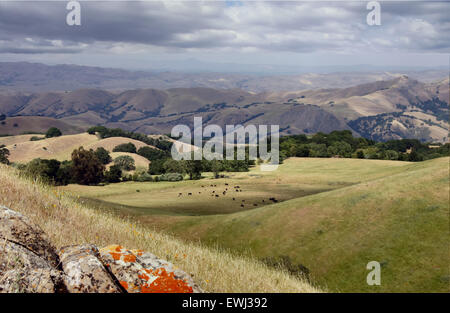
column 67, row 222
column 59, row 148
column 13, row 140
column 110, row 143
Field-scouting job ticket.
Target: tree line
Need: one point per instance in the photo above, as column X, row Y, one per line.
column 89, row 167
column 343, row 144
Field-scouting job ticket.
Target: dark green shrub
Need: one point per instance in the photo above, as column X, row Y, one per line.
column 53, row 132
column 125, row 147
column 103, row 155
column 114, row 174
column 125, row 163
column 171, row 177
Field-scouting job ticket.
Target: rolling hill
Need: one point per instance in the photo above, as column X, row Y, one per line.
column 60, row 148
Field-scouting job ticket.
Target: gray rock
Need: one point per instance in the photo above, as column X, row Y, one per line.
column 21, row 270
column 84, row 273
column 17, row 228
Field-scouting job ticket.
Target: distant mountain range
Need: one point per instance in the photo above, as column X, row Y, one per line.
column 35, row 77
column 386, row 109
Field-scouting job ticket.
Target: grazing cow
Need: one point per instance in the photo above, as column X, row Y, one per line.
column 217, row 196
column 234, row 199
column 199, row 192
column 226, row 184
column 224, row 193
column 190, row 194
column 254, row 204
column 242, row 205
column 213, row 191
column 243, row 200
column 180, row 194
column 263, row 200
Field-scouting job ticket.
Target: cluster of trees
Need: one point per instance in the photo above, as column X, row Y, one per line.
column 194, row 168
column 343, row 144
column 84, row 168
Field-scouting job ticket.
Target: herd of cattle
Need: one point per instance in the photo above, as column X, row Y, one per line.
column 216, row 194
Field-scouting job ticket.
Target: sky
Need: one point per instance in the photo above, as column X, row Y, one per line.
column 202, row 34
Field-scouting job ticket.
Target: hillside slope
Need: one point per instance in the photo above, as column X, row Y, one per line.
column 400, row 220
column 386, row 110
column 62, row 219
column 36, row 124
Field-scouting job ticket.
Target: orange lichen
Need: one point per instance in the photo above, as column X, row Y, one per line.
column 129, row 258
column 124, row 284
column 116, row 256
column 166, row 283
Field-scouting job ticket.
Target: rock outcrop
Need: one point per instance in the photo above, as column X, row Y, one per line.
column 84, row 272
column 142, row 272
column 29, row 263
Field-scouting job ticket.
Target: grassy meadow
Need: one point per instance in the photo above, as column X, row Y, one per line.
column 333, row 216
column 67, row 222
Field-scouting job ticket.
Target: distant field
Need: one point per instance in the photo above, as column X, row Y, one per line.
column 296, row 178
column 339, row 214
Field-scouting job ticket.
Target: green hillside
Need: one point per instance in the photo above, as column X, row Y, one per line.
column 399, row 220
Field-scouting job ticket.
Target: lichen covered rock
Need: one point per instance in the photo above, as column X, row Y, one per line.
column 84, row 273
column 140, row 272
column 29, row 263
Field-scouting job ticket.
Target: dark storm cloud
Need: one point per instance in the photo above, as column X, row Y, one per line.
column 295, row 27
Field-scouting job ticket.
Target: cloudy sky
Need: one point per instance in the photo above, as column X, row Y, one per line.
column 153, row 34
